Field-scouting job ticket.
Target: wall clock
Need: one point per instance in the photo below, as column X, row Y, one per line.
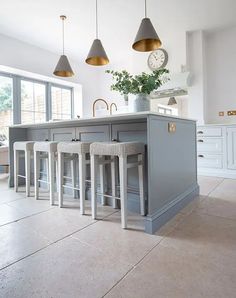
column 157, row 59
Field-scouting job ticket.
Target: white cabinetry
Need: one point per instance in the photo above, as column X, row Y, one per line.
column 216, row 149
column 231, row 147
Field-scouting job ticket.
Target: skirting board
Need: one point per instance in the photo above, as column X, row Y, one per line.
column 155, row 221
column 221, row 174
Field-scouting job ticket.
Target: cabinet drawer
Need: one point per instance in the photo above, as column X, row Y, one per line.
column 213, row 145
column 209, row 131
column 210, row 161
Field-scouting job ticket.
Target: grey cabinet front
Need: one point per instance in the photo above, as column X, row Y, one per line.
column 62, row 134
column 38, row 134
column 130, row 132
column 98, row 133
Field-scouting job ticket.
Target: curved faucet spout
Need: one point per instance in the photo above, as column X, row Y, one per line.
column 112, row 104
column 94, row 103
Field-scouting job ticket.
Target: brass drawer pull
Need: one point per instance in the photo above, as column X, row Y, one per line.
column 200, row 141
column 200, row 155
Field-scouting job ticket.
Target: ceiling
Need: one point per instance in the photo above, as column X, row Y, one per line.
column 38, row 23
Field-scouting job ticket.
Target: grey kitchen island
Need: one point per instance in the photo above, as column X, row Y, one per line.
column 170, row 168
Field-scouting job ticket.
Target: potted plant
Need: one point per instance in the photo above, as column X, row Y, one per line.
column 140, row 85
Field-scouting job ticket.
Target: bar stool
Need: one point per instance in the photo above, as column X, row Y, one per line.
column 81, row 149
column 122, row 150
column 49, row 150
column 27, row 148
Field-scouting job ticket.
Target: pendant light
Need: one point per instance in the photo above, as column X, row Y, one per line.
column 97, row 55
column 146, row 39
column 63, row 68
column 172, row 101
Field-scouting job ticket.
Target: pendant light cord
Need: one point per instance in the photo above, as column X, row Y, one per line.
column 145, row 4
column 96, row 19
column 63, row 42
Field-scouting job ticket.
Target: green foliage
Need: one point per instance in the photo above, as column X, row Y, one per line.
column 145, row 83
column 5, row 98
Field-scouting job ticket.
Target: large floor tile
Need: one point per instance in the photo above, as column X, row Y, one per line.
column 67, row 268
column 218, row 207
column 208, row 184
column 226, row 191
column 31, row 206
column 10, row 214
column 57, row 223
column 128, row 245
column 9, row 195
column 18, row 241
column 201, row 234
column 171, row 273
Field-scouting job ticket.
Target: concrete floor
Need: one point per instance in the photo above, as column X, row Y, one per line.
column 50, row 252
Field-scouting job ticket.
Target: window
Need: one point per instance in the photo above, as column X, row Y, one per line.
column 6, row 106
column 33, row 102
column 163, row 110
column 61, row 103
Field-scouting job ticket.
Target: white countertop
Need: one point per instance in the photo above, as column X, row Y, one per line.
column 88, row 120
column 217, row 124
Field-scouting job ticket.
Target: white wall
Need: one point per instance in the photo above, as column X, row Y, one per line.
column 23, row 56
column 195, row 44
column 221, row 74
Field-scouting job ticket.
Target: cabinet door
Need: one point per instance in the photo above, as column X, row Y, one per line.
column 62, row 134
column 98, row 133
column 130, row 132
column 231, row 147
column 38, row 134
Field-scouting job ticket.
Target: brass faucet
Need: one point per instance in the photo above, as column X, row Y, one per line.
column 94, row 103
column 111, row 105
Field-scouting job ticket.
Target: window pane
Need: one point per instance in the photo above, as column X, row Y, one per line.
column 33, row 106
column 61, row 103
column 6, row 112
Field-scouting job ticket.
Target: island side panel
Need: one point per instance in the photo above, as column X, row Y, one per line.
column 172, row 171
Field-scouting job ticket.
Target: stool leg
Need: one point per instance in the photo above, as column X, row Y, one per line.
column 51, row 158
column 57, row 178
column 123, row 190
column 72, row 165
column 16, row 169
column 93, row 163
column 27, row 172
column 47, row 172
column 113, row 181
column 60, row 178
column 141, row 187
column 36, row 174
column 102, row 185
column 82, row 175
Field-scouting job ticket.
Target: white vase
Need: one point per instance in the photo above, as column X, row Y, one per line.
column 140, row 103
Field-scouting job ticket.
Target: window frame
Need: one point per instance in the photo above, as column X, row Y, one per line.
column 71, row 100
column 16, row 100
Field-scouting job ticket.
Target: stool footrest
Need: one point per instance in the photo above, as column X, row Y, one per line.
column 108, row 196
column 43, row 181
column 22, row 176
column 70, row 187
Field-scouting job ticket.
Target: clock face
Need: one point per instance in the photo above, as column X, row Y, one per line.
column 157, row 59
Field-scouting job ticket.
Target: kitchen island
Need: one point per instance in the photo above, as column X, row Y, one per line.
column 170, row 168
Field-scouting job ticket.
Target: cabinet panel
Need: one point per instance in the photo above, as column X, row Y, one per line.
column 210, row 161
column 62, row 134
column 231, row 148
column 38, row 134
column 99, row 133
column 130, row 132
column 214, row 145
column 209, row 131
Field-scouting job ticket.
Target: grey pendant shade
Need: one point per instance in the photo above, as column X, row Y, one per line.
column 63, row 68
column 97, row 55
column 172, row 101
column 146, row 39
